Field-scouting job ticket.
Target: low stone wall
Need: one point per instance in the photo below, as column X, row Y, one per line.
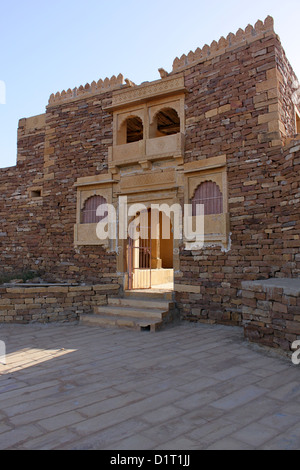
column 51, row 303
column 271, row 311
column 211, row 302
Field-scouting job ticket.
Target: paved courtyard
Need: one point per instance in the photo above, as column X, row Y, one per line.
column 191, row 386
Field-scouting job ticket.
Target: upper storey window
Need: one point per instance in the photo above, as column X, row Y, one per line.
column 165, row 122
column 148, row 122
column 130, row 130
column 134, row 129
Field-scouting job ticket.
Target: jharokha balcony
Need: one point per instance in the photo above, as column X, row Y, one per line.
column 147, row 149
column 148, row 131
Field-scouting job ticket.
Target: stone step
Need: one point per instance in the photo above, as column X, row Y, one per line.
column 149, row 294
column 139, row 310
column 141, row 302
column 149, row 324
column 119, row 310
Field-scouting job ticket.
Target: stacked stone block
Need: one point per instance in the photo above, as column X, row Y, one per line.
column 45, row 304
column 246, row 112
column 271, row 312
column 265, row 240
column 38, row 233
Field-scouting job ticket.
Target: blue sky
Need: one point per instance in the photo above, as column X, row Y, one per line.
column 54, row 45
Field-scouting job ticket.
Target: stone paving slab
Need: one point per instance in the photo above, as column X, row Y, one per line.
column 188, row 387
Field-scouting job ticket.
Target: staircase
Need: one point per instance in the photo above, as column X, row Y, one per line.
column 138, row 310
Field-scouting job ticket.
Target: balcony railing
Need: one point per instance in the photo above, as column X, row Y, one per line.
column 170, row 145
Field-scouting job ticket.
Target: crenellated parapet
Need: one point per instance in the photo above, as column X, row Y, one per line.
column 102, row 86
column 250, row 34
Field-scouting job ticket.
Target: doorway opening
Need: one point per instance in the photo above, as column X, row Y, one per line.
column 150, row 251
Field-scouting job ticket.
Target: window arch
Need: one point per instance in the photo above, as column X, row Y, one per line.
column 130, row 129
column 165, row 122
column 209, row 194
column 89, row 211
column 134, row 129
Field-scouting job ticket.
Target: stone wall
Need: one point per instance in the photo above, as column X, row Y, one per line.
column 45, row 304
column 78, row 134
column 287, row 92
column 37, row 233
column 22, row 221
column 265, row 239
column 231, row 102
column 271, row 312
column 239, row 105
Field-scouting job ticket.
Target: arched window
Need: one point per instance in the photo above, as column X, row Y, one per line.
column 130, row 130
column 208, row 194
column 89, row 211
column 134, row 129
column 166, row 122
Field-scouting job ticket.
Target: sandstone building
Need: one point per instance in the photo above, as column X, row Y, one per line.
column 221, row 128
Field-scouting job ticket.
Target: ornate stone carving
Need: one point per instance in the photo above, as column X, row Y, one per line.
column 148, row 181
column 147, row 90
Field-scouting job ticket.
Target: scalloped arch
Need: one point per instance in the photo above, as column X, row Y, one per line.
column 89, row 209
column 208, row 192
column 162, row 109
column 125, row 118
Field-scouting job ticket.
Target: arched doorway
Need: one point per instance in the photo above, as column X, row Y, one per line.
column 150, row 251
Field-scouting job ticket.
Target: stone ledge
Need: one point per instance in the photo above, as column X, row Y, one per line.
column 187, row 288
column 288, row 286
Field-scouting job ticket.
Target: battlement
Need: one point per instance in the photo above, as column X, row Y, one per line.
column 102, row 86
column 250, row 34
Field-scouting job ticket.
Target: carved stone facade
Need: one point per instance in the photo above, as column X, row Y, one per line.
column 224, row 115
